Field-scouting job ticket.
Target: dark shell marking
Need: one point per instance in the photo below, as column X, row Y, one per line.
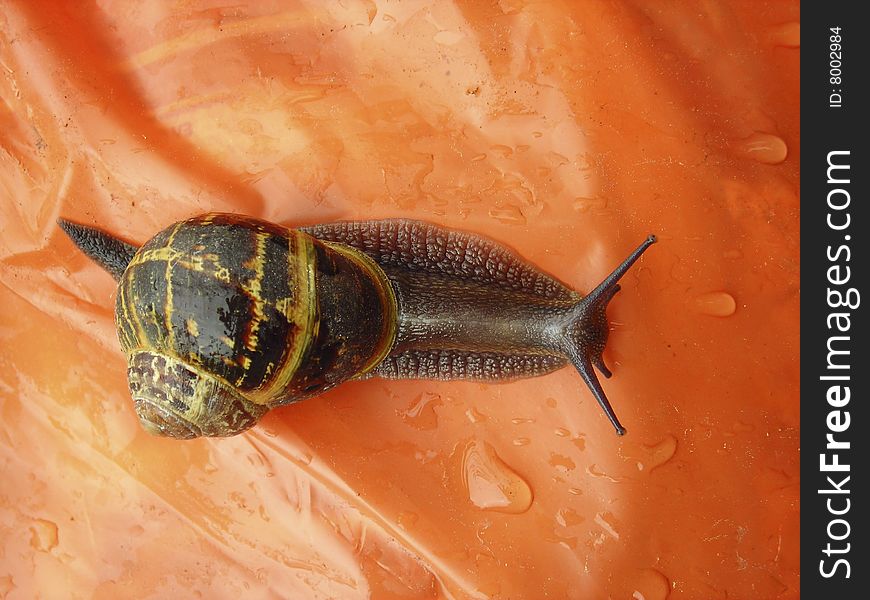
column 172, row 398
column 200, row 291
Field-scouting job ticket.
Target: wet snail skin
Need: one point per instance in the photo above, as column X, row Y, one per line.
column 223, row 317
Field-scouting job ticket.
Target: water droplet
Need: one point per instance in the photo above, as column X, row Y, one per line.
column 260, row 463
column 6, row 585
column 575, row 491
column 559, row 535
column 787, row 35
column 522, row 441
column 475, row 416
column 421, row 413
column 595, row 471
column 522, row 420
column 661, row 452
column 510, row 7
column 579, row 442
column 533, row 209
column 491, row 484
column 562, row 432
column 606, row 522
column 764, row 147
column 567, row 517
column 741, row 427
column 650, row 584
column 716, row 304
column 561, row 462
column 550, row 402
column 407, row 519
column 508, row 213
column 448, row 38
column 43, row 535
column 582, row 205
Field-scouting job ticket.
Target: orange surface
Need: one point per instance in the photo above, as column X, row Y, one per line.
column 569, row 130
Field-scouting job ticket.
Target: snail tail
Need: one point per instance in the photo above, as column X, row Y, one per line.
column 109, row 252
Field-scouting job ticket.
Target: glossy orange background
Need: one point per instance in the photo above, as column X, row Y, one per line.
column 568, row 130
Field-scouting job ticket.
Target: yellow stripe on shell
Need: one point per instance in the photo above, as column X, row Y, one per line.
column 168, row 308
column 254, row 287
column 300, row 310
column 388, row 301
column 132, row 317
column 123, row 314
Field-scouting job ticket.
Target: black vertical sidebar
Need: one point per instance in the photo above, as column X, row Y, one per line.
column 835, row 362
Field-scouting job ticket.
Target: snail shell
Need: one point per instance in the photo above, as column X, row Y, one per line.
column 222, row 317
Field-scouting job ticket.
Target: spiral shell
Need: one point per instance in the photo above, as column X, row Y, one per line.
column 223, row 317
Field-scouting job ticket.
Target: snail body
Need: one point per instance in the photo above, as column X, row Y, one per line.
column 223, row 317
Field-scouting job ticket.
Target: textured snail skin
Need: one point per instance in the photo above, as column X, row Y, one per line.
column 223, row 317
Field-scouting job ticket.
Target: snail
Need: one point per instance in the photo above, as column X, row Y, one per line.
column 223, row 317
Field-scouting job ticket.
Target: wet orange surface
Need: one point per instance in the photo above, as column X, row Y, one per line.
column 568, row 130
